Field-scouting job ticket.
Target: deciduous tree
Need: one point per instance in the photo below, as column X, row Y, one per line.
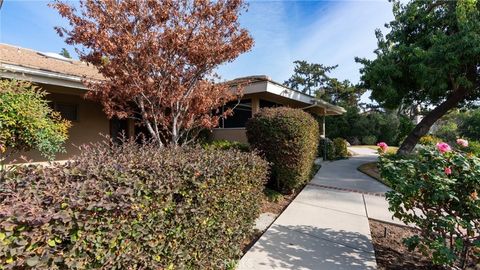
column 431, row 56
column 158, row 59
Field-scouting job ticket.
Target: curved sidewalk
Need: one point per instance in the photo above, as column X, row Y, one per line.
column 326, row 226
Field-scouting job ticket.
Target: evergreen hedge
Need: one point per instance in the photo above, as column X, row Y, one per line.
column 288, row 138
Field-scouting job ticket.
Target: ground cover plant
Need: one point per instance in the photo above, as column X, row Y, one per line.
column 131, row 206
column 436, row 190
column 288, row 138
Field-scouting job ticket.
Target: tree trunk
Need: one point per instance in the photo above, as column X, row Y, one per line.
column 422, row 128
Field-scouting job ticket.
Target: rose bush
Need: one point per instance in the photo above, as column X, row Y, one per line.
column 436, row 190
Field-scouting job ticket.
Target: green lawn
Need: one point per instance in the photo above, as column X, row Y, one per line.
column 391, row 149
column 371, row 169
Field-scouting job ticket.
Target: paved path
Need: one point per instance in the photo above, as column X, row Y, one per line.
column 326, row 226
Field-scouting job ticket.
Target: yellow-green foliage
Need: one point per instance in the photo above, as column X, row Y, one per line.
column 341, row 150
column 27, row 122
column 429, row 140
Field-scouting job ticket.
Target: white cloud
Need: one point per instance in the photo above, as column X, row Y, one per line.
column 322, row 32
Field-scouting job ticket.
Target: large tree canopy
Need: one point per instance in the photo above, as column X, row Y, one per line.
column 431, row 56
column 158, row 59
column 313, row 79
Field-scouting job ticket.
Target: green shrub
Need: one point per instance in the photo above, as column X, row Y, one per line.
column 369, row 140
column 438, row 194
column 470, row 126
column 288, row 138
column 226, row 145
column 429, row 140
column 27, row 122
column 474, row 148
column 354, row 125
column 272, row 195
column 330, row 148
column 131, row 207
column 341, row 148
column 447, row 131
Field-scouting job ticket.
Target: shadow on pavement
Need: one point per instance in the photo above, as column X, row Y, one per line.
column 306, row 247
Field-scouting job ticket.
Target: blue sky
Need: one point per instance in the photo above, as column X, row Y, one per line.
column 327, row 32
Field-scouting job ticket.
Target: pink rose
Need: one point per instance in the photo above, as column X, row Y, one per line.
column 462, row 142
column 448, row 171
column 443, row 147
column 383, row 146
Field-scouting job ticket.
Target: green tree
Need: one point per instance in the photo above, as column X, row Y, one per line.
column 430, row 56
column 65, row 53
column 470, row 126
column 27, row 122
column 313, row 79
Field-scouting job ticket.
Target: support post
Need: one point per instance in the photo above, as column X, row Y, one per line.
column 323, row 136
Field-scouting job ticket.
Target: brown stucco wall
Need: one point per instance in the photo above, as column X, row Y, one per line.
column 91, row 122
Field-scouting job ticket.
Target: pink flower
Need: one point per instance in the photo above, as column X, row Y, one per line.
column 443, row 147
column 448, row 171
column 462, row 142
column 383, row 146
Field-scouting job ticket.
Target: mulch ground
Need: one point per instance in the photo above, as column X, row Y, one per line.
column 391, row 253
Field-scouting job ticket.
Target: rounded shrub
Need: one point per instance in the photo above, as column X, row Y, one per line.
column 341, row 148
column 369, row 140
column 429, row 140
column 27, row 122
column 474, row 148
column 131, row 207
column 226, row 145
column 288, row 138
column 329, row 148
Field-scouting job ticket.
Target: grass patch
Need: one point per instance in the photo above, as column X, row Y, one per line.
column 391, row 149
column 371, row 169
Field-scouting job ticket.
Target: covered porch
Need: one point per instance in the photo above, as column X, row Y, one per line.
column 261, row 92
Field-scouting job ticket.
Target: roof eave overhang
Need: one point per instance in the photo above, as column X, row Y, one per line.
column 41, row 76
column 316, row 105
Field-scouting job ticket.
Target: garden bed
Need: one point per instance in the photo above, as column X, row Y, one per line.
column 390, row 251
column 392, row 254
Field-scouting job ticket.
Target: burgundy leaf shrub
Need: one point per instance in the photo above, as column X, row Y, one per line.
column 131, row 207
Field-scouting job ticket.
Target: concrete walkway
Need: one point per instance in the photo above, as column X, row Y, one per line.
column 326, row 226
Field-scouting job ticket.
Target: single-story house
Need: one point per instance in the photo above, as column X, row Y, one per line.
column 62, row 79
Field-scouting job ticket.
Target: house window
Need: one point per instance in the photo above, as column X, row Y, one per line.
column 68, row 111
column 241, row 113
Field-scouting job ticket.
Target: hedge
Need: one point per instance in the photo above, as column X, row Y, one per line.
column 288, row 138
column 226, row 145
column 131, row 207
column 341, row 148
column 329, row 148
